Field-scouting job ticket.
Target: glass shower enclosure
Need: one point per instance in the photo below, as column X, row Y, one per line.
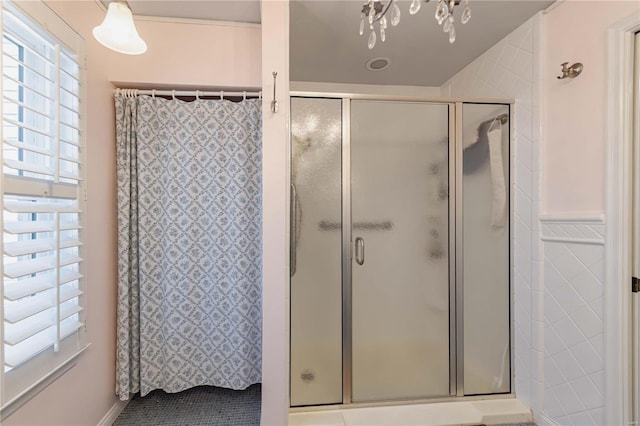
column 399, row 244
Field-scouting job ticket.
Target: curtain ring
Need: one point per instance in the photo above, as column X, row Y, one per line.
column 173, row 94
column 197, row 95
column 260, row 95
column 222, row 95
column 153, row 94
column 244, row 95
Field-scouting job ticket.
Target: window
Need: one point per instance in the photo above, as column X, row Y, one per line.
column 42, row 198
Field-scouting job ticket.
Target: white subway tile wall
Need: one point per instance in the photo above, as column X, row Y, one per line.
column 506, row 71
column 558, row 291
column 573, row 317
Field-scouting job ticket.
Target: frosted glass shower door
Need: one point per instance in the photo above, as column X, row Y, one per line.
column 400, row 266
column 485, row 248
column 316, row 251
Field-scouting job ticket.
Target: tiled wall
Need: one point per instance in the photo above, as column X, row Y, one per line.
column 558, row 292
column 573, row 316
column 507, row 71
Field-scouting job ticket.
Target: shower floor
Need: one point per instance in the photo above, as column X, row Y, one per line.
column 489, row 412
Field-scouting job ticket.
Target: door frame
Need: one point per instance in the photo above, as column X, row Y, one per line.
column 619, row 139
column 635, row 249
column 456, row 345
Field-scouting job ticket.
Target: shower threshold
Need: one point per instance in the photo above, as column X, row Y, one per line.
column 494, row 412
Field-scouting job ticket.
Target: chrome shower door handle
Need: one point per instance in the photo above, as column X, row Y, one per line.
column 293, row 231
column 360, row 251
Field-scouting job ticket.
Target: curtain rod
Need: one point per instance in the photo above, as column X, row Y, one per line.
column 197, row 93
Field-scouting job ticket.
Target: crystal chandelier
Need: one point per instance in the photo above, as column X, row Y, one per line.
column 376, row 11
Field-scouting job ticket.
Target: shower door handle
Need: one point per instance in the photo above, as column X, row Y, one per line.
column 293, row 231
column 360, row 251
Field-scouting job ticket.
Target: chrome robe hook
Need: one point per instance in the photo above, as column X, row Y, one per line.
column 570, row 72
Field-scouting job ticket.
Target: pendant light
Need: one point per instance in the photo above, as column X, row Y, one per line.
column 118, row 32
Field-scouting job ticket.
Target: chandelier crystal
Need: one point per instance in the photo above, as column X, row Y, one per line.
column 375, row 12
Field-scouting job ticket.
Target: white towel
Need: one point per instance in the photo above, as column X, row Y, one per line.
column 498, row 185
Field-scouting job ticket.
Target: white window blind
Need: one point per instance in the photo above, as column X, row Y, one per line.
column 42, row 196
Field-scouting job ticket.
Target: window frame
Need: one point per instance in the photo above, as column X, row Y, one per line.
column 29, row 377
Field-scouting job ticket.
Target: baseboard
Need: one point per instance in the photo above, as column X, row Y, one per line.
column 113, row 413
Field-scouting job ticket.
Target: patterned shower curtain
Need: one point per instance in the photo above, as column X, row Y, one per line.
column 189, row 244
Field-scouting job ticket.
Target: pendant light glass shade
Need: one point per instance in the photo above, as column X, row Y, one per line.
column 118, row 32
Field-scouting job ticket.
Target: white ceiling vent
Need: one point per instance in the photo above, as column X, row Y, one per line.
column 378, row 64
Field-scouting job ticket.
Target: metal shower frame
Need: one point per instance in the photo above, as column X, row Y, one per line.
column 456, row 296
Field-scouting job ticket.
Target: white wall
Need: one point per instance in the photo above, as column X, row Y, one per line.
column 275, row 222
column 87, row 392
column 574, row 110
column 569, row 316
column 572, row 387
column 192, row 55
column 559, row 190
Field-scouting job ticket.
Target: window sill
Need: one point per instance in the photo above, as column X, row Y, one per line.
column 12, row 406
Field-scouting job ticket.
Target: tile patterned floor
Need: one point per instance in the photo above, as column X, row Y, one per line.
column 203, row 405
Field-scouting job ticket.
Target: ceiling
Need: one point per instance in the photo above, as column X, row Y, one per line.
column 211, row 10
column 325, row 45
